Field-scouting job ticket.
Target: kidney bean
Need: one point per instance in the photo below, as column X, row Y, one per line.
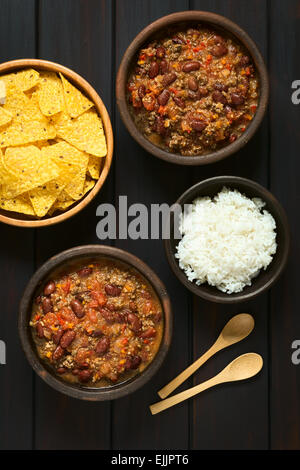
column 141, row 91
column 134, row 322
column 61, row 370
column 97, row 333
column 192, row 84
column 169, row 78
column 132, row 362
column 218, row 97
column 228, row 109
column 160, row 52
column 47, row 305
column 84, row 375
column 75, row 371
column 197, row 125
column 84, row 272
column 57, row 336
column 244, row 61
column 218, row 39
column 77, row 308
column 67, row 338
column 109, row 316
column 203, row 91
column 219, row 49
column 49, row 288
column 178, row 40
column 38, row 299
column 132, row 306
column 232, row 138
column 179, row 101
column 164, row 66
column 220, row 86
column 113, row 290
column 40, row 330
column 103, row 345
column 153, row 70
column 58, row 353
column 163, row 98
column 191, row 66
column 237, row 99
column 149, row 333
column 83, row 365
column 159, row 125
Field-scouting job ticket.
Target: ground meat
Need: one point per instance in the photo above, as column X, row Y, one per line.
column 197, row 73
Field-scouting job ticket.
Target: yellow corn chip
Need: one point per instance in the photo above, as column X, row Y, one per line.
column 64, row 153
column 5, row 116
column 33, row 169
column 15, row 101
column 26, row 79
column 85, row 132
column 9, row 80
column 19, row 204
column 75, row 101
column 44, row 196
column 94, row 166
column 50, row 94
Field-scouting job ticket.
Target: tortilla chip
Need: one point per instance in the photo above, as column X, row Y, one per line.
column 94, row 167
column 15, row 100
column 5, row 116
column 85, row 132
column 75, row 160
column 26, row 79
column 19, row 204
column 33, row 170
column 50, row 94
column 29, row 124
column 44, row 196
column 75, row 101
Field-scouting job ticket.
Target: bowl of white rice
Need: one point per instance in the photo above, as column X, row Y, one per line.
column 229, row 239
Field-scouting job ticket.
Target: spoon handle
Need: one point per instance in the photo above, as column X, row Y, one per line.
column 167, row 389
column 179, row 397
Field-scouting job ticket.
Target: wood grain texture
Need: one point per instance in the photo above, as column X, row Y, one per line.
column 247, row 421
column 284, row 178
column 77, row 34
column 152, row 181
column 16, row 265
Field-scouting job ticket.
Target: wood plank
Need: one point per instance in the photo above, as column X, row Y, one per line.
column 284, row 38
column 240, row 409
column 76, row 34
column 145, row 179
column 17, row 39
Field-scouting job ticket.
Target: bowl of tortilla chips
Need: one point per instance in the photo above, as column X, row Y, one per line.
column 56, row 143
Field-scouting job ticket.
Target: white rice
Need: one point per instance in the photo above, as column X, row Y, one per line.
column 226, row 240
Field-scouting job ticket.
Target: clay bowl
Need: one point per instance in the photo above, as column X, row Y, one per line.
column 14, row 218
column 186, row 19
column 265, row 279
column 76, row 256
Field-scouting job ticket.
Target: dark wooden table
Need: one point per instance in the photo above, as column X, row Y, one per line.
column 90, row 36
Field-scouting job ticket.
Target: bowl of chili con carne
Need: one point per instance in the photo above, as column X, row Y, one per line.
column 95, row 322
column 192, row 88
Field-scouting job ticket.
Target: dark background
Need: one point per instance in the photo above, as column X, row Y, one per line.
column 90, row 36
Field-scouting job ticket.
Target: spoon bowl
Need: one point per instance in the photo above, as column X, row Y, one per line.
column 236, row 329
column 243, row 367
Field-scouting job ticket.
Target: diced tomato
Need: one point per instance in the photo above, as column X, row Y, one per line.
column 173, row 90
column 92, row 315
column 50, row 319
column 66, row 286
column 92, row 304
column 100, row 298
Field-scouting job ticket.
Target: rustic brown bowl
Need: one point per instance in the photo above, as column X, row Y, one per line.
column 66, row 259
column 186, row 18
column 265, row 279
column 14, row 218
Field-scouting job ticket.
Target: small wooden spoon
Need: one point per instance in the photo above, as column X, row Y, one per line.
column 241, row 368
column 238, row 328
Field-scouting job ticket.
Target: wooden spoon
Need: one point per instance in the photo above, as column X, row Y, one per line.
column 238, row 328
column 243, row 367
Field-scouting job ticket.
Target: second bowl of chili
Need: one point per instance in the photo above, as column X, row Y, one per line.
column 95, row 322
column 192, row 88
